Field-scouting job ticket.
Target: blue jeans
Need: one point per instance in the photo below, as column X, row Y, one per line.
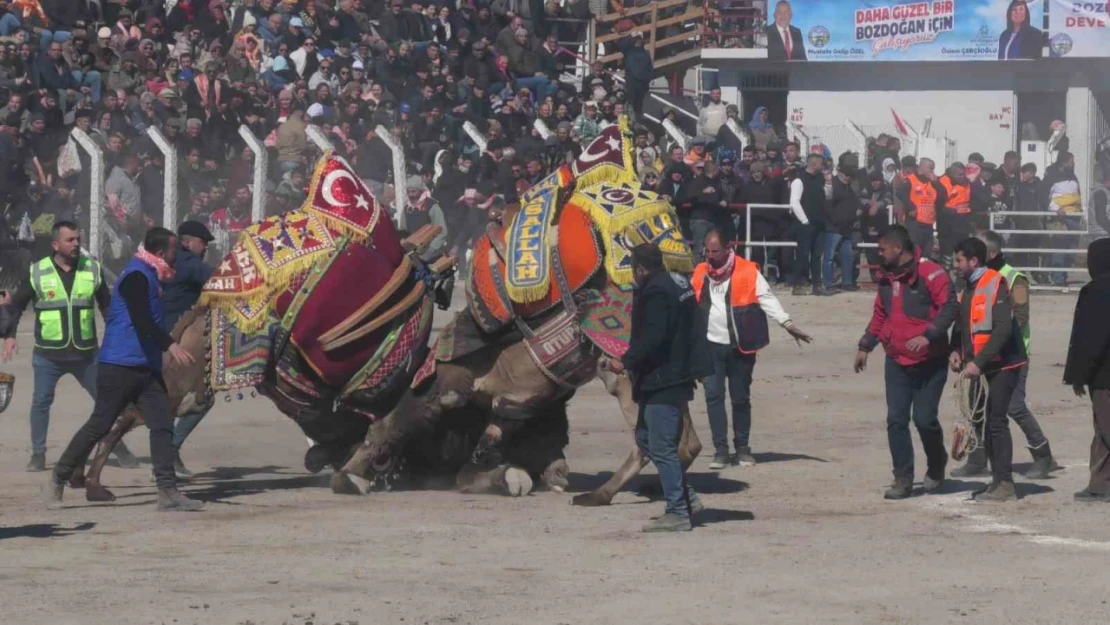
column 90, row 79
column 658, row 432
column 915, row 391
column 540, row 85
column 1060, row 278
column 698, row 229
column 734, row 368
column 9, row 23
column 185, row 426
column 835, row 242
column 47, row 373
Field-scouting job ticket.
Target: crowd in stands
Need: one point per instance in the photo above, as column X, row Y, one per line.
column 420, row 70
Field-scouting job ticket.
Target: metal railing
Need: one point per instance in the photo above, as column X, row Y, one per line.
column 1045, row 251
column 690, row 22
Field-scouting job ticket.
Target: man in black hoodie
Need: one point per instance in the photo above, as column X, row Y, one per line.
column 1088, row 365
column 666, row 355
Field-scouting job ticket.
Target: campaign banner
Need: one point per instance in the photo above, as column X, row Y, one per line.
column 1079, row 28
column 936, row 30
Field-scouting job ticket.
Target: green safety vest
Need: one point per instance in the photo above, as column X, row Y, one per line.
column 1009, row 274
column 64, row 319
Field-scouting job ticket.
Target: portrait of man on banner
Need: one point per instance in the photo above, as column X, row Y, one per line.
column 785, row 41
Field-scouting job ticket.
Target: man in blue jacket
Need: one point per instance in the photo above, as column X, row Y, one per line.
column 130, row 371
column 667, row 353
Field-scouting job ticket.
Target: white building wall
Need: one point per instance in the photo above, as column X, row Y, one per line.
column 977, row 121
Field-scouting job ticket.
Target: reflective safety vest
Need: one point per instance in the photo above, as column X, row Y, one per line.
column 959, row 196
column 981, row 323
column 64, row 319
column 747, row 323
column 923, row 197
column 1009, row 274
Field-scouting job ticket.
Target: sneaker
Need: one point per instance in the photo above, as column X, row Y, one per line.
column 932, row 484
column 743, row 457
column 820, row 291
column 696, row 506
column 124, row 457
column 52, row 492
column 37, row 463
column 997, row 492
column 1089, row 496
column 172, row 500
column 798, row 291
column 849, row 288
column 179, row 467
column 669, row 522
column 900, row 489
column 720, row 461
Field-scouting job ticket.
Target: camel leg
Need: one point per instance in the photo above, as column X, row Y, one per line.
column 688, row 449
column 505, row 479
column 554, row 477
column 603, row 495
column 94, row 491
column 414, row 414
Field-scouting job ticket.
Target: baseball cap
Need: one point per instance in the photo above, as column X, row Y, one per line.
column 297, row 22
column 195, row 229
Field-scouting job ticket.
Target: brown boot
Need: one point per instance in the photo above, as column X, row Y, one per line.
column 998, row 492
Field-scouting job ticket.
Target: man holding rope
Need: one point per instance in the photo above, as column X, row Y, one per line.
column 1043, row 462
column 914, row 308
column 987, row 349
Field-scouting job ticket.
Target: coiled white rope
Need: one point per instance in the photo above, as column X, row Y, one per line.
column 968, row 432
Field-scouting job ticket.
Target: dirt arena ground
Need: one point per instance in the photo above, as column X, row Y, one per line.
column 804, row 537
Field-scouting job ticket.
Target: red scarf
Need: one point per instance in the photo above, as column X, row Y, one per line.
column 201, row 82
column 165, row 272
column 725, row 271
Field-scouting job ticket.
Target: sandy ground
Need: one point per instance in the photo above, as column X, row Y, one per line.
column 804, row 537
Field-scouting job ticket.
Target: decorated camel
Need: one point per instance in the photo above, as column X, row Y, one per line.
column 549, row 293
column 324, row 310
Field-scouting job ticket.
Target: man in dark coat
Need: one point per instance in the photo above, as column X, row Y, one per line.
column 1088, row 368
column 639, row 70
column 666, row 355
column 179, row 296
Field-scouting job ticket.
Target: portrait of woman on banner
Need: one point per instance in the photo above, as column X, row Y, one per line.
column 1020, row 40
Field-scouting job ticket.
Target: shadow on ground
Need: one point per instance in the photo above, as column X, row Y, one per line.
column 709, row 516
column 223, row 483
column 710, row 483
column 952, row 487
column 43, row 530
column 773, row 456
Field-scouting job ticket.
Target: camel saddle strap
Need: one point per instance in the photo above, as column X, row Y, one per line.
column 566, row 294
column 496, row 234
column 556, row 348
column 399, row 276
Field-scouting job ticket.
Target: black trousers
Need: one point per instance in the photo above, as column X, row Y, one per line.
column 1000, row 445
column 116, row 387
column 635, row 91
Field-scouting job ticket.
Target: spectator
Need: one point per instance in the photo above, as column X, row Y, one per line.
column 763, row 132
column 713, row 115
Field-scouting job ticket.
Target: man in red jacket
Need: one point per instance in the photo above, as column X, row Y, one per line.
column 914, row 308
